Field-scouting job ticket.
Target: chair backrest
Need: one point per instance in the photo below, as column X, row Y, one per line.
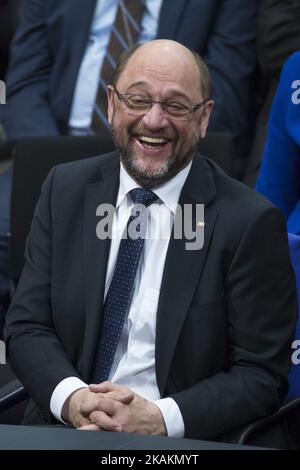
column 219, row 147
column 32, row 160
column 10, row 388
column 34, row 157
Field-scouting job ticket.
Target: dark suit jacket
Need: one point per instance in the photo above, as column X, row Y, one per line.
column 226, row 313
column 8, row 23
column 278, row 34
column 50, row 43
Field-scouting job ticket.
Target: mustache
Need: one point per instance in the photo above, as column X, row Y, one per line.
column 138, row 131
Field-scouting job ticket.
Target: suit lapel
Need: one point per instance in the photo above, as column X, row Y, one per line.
column 182, row 270
column 169, row 18
column 95, row 257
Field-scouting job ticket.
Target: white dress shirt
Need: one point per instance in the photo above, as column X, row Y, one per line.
column 134, row 362
column 89, row 72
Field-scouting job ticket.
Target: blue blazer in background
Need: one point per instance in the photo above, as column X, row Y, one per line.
column 279, row 176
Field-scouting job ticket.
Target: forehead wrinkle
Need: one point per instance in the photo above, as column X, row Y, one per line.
column 151, row 75
column 159, row 73
column 163, row 73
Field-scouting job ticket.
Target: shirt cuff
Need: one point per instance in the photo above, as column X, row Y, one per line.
column 172, row 416
column 61, row 392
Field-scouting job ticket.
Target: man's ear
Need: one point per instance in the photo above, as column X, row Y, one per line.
column 110, row 101
column 205, row 117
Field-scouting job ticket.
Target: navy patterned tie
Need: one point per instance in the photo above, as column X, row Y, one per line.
column 120, row 292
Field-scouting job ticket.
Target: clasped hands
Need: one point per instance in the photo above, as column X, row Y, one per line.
column 111, row 407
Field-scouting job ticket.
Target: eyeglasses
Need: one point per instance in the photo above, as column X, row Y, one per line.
column 140, row 104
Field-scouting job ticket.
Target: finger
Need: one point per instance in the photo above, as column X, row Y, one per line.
column 89, row 427
column 105, row 404
column 104, row 421
column 88, row 405
column 125, row 397
column 82, row 421
column 108, row 387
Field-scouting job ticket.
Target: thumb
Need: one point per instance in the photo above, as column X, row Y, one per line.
column 89, row 427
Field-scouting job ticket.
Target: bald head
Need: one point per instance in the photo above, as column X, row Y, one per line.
column 166, row 58
column 161, row 50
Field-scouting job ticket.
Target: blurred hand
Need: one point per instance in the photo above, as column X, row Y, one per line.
column 138, row 415
column 81, row 403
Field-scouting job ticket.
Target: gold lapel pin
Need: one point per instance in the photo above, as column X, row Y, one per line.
column 200, row 224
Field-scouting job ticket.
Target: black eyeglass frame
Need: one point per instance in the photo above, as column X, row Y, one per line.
column 164, row 105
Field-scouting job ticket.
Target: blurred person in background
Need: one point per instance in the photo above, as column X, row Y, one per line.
column 60, row 50
column 278, row 36
column 279, row 175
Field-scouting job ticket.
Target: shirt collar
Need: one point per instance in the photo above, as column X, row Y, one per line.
column 168, row 192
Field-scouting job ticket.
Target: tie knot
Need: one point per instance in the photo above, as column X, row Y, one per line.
column 143, row 196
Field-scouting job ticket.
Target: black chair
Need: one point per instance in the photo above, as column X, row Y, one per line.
column 32, row 160
column 5, row 151
column 13, row 398
column 219, row 147
column 287, row 416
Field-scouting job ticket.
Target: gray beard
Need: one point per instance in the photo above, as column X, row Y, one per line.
column 150, row 180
